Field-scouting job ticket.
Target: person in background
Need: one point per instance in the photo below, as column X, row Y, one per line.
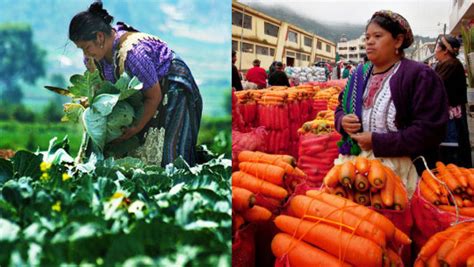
column 257, row 75
column 236, row 80
column 172, row 103
column 278, row 77
column 451, row 71
column 392, row 108
column 346, row 71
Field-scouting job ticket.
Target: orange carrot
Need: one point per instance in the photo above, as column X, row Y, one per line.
column 349, row 194
column 432, row 245
column 459, row 254
column 353, row 249
column 255, row 185
column 360, row 211
column 467, row 203
column 467, row 211
column 448, row 178
column 400, row 197
column 267, row 172
column 433, row 261
column 470, row 177
column 332, row 177
column 395, row 260
column 470, row 261
column 242, row 199
column 362, row 198
column 300, row 253
column 347, row 174
column 376, row 201
column 458, row 200
column 377, row 174
column 401, row 237
column 298, row 172
column 304, row 207
column 339, row 191
column 362, row 165
column 430, row 182
column 428, row 194
column 470, row 191
column 453, row 240
column 257, row 214
column 388, row 190
column 457, row 174
column 361, row 183
column 261, row 157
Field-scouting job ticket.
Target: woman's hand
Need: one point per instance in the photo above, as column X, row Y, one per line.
column 364, row 140
column 350, row 123
column 127, row 134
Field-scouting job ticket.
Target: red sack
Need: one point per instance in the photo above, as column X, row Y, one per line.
column 254, row 140
column 243, row 247
column 428, row 219
column 237, row 119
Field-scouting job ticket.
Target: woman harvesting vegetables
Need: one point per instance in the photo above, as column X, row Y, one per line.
column 395, row 107
column 172, row 103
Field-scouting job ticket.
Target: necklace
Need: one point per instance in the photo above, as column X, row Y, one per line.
column 382, row 72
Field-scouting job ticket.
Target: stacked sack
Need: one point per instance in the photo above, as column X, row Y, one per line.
column 440, row 192
column 326, row 230
column 317, row 147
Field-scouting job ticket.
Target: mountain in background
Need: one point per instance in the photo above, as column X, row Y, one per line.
column 332, row 32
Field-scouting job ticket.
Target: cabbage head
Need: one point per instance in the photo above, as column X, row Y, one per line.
column 121, row 117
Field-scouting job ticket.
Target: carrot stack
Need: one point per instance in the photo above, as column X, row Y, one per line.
column 451, row 247
column 460, row 181
column 367, row 182
column 341, row 232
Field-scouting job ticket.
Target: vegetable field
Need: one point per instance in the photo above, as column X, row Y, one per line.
column 109, row 212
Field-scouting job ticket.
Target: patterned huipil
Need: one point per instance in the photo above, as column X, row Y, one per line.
column 174, row 128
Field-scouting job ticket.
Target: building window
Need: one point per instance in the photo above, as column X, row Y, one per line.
column 247, row 48
column 352, row 48
column 298, row 56
column 235, row 45
column 237, row 20
column 290, row 54
column 261, row 50
column 305, row 57
column 328, row 48
column 342, row 48
column 292, row 37
column 272, row 52
column 308, row 41
column 319, row 45
column 271, row 29
column 361, row 47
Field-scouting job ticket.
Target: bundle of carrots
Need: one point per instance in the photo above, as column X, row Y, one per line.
column 323, row 124
column 460, row 181
column 327, row 230
column 327, row 93
column 260, row 174
column 367, row 182
column 333, row 102
column 451, row 247
column 274, row 98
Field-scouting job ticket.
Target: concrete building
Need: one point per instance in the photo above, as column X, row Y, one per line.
column 460, row 9
column 423, row 51
column 257, row 35
column 353, row 50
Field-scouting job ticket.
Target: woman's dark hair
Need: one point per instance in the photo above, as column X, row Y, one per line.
column 455, row 44
column 389, row 25
column 233, row 53
column 85, row 25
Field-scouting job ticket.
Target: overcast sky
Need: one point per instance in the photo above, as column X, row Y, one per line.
column 423, row 15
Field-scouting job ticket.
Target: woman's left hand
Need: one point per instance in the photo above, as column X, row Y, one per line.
column 364, row 140
column 127, row 134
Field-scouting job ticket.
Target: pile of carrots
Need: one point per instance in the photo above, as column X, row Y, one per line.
column 327, row 93
column 333, row 102
column 322, row 124
column 460, row 181
column 259, row 174
column 367, row 182
column 327, row 230
column 451, row 247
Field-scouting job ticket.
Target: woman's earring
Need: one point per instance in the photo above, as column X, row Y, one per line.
column 102, row 46
column 396, row 51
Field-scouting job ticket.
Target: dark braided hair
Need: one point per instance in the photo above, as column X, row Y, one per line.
column 85, row 25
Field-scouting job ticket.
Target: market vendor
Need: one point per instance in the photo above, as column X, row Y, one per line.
column 172, row 103
column 392, row 107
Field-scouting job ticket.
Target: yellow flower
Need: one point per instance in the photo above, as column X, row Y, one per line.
column 118, row 195
column 66, row 176
column 44, row 177
column 45, row 166
column 57, row 206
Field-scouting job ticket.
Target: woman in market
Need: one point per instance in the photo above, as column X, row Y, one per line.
column 392, row 107
column 451, row 71
column 172, row 103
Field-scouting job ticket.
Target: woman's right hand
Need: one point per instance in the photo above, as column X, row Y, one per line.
column 350, row 123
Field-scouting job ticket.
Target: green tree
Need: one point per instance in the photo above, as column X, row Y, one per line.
column 20, row 59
